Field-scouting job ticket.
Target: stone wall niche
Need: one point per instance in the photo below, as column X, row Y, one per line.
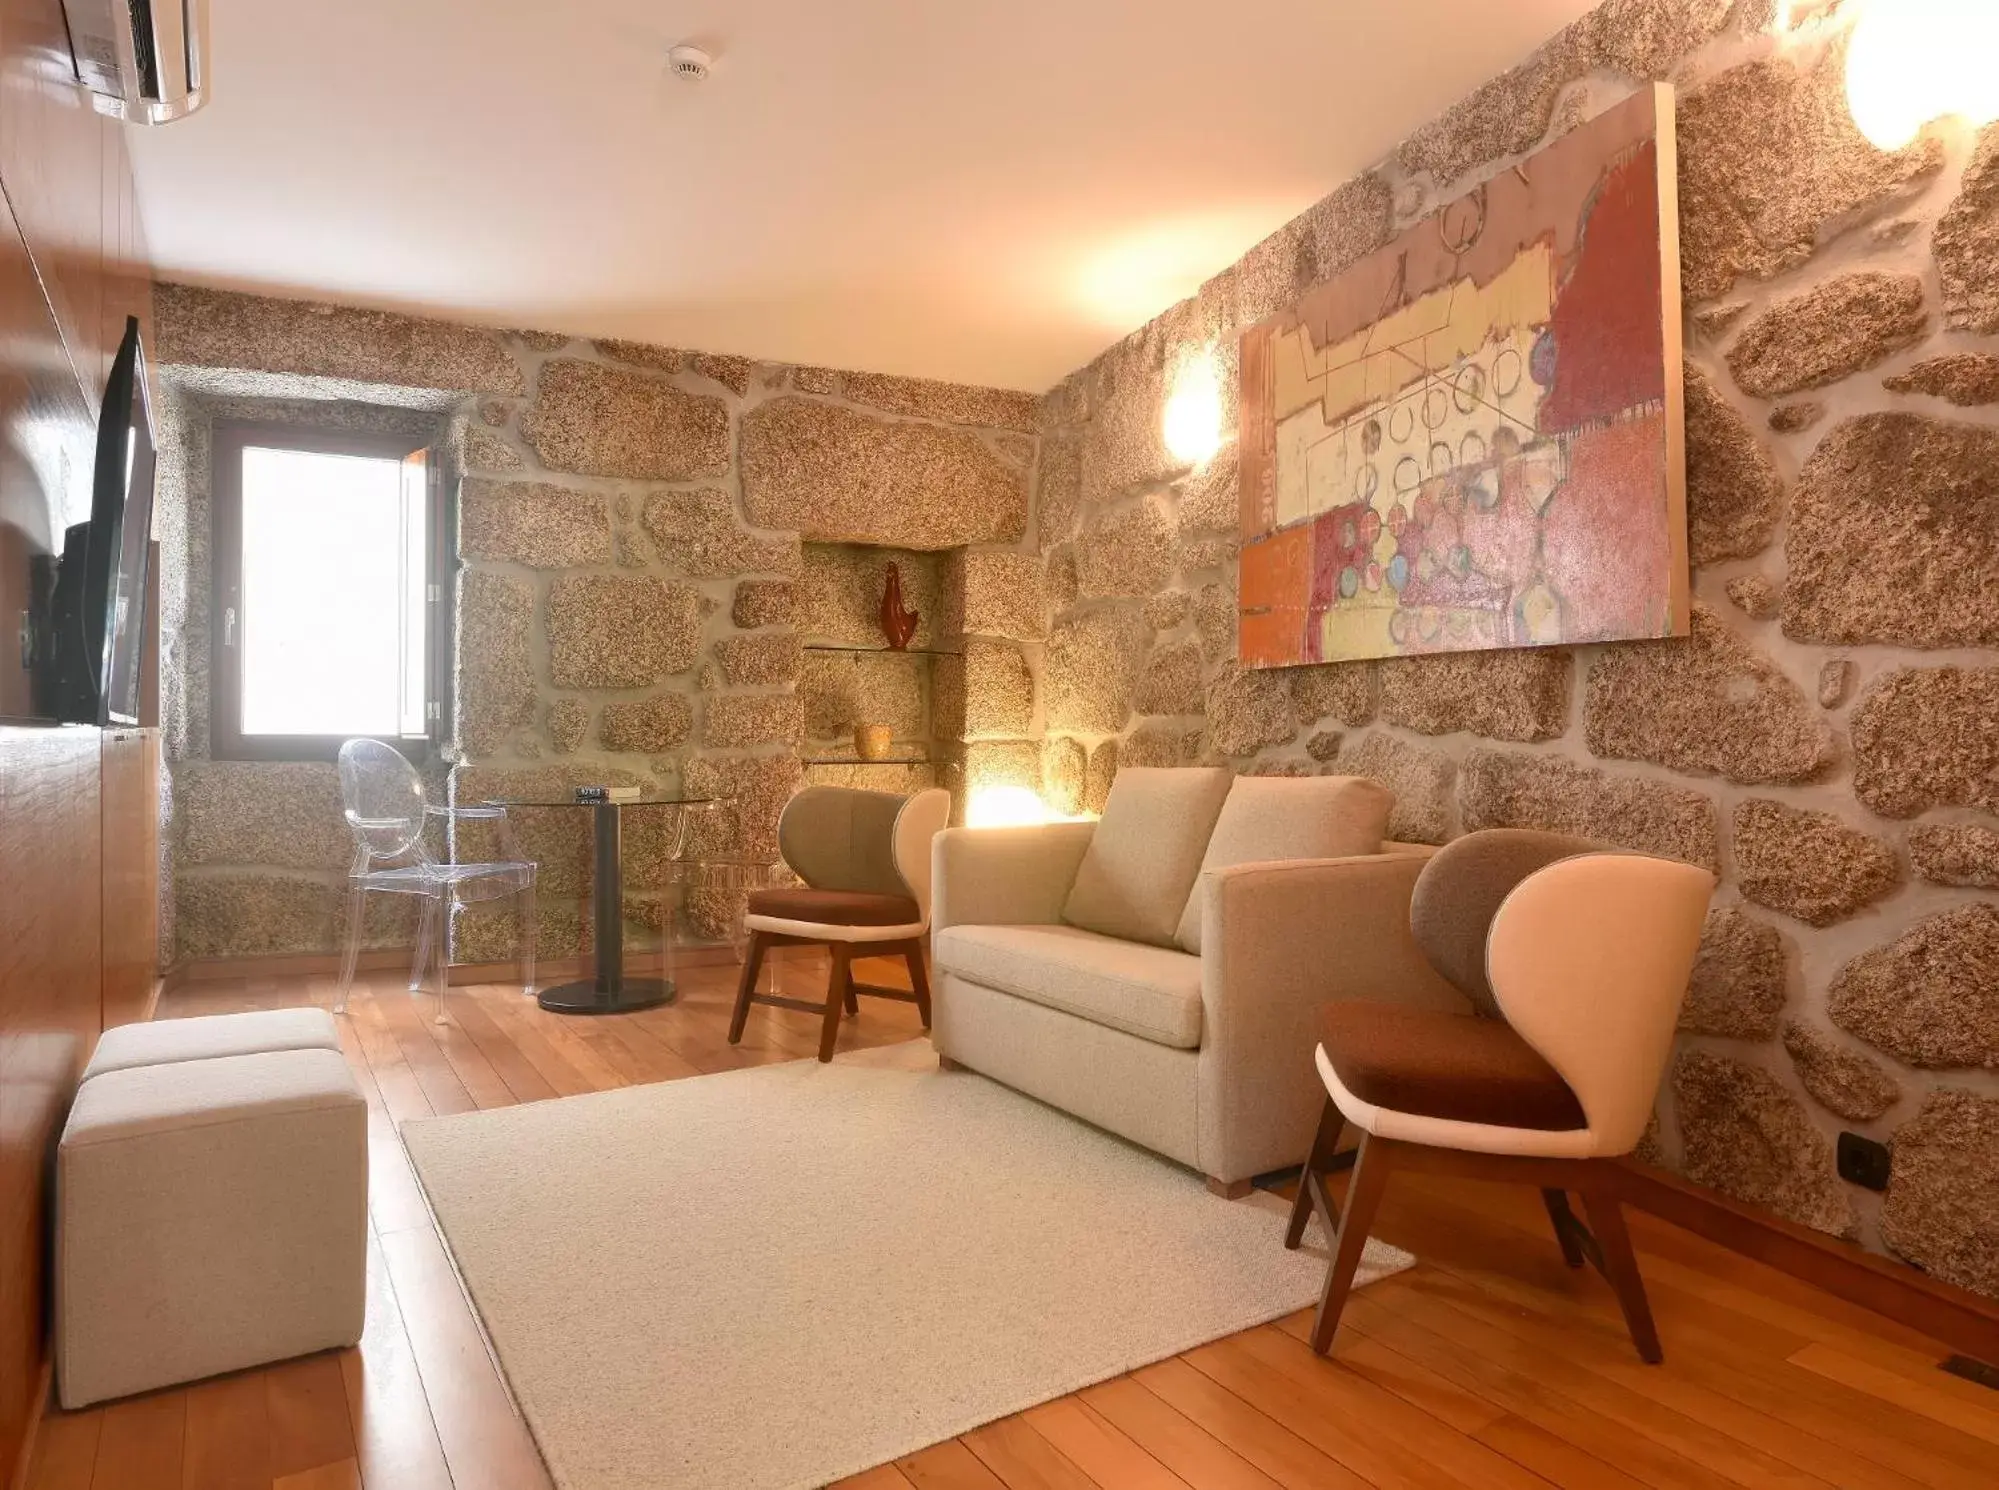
column 961, row 701
column 848, row 677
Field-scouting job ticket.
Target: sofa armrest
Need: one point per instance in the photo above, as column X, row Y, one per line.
column 1281, row 940
column 1005, row 876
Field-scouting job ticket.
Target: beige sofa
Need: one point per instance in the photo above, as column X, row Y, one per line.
column 1206, row 1059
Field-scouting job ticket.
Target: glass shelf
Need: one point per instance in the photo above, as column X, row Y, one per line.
column 854, row 760
column 883, row 651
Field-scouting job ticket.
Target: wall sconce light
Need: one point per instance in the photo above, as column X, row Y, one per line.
column 1193, row 425
column 1911, row 61
column 1006, row 807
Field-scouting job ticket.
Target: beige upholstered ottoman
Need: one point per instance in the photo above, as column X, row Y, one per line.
column 211, row 1036
column 211, row 1215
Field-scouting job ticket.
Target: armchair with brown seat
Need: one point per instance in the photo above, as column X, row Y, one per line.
column 1574, row 960
column 865, row 859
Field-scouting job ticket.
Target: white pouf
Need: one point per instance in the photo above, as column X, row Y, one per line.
column 211, row 1215
column 210, row 1037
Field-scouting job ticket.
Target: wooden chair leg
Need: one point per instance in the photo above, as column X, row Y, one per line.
column 1370, row 1177
column 1325, row 1143
column 919, row 979
column 746, row 985
column 851, row 1002
column 1620, row 1267
column 839, row 988
column 1564, row 1221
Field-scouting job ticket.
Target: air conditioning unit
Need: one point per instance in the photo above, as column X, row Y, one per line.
column 144, row 61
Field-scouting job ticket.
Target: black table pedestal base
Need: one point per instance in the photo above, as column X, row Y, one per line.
column 586, row 998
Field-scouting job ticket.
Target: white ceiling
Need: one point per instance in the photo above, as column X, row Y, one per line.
column 983, row 190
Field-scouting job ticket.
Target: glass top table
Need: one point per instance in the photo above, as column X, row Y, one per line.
column 609, row 991
column 648, row 799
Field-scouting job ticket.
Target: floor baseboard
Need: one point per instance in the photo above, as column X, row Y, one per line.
column 286, row 965
column 31, row 1430
column 1964, row 1320
column 381, row 959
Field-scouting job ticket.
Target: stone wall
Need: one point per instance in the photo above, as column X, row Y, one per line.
column 1826, row 739
column 644, row 536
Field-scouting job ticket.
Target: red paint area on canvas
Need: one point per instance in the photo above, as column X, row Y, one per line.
column 1605, row 548
column 1609, row 343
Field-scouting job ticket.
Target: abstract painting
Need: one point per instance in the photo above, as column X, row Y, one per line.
column 1472, row 438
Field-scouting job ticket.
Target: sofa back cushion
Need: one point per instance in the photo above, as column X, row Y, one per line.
column 1145, row 853
column 1284, row 817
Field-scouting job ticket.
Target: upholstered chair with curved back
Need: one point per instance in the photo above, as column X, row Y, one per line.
column 865, row 860
column 1574, row 960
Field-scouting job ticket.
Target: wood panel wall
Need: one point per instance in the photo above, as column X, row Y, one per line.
column 50, row 1013
column 129, row 794
column 78, row 807
column 72, row 267
column 46, row 445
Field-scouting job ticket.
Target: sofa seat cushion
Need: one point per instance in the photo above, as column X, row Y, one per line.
column 834, row 907
column 1151, row 992
column 1458, row 1067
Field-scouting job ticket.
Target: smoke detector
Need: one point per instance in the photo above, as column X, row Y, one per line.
column 690, row 63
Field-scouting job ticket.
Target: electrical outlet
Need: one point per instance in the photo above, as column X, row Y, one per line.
column 1863, row 1161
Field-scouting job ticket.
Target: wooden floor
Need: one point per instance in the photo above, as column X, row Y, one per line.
column 1489, row 1364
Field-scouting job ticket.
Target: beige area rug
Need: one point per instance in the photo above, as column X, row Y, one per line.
column 781, row 1276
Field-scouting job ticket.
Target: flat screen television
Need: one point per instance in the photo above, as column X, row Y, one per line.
column 99, row 603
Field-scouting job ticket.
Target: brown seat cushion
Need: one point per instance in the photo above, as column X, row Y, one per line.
column 834, row 907
column 1454, row 1066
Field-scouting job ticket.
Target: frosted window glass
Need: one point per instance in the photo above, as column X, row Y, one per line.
column 333, row 583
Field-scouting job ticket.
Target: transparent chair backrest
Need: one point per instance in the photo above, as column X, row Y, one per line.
column 383, row 798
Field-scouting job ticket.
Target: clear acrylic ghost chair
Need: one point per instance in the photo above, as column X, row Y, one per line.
column 383, row 799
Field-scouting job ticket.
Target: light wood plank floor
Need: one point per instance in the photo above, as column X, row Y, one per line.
column 1489, row 1364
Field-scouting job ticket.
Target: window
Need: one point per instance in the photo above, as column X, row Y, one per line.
column 329, row 564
